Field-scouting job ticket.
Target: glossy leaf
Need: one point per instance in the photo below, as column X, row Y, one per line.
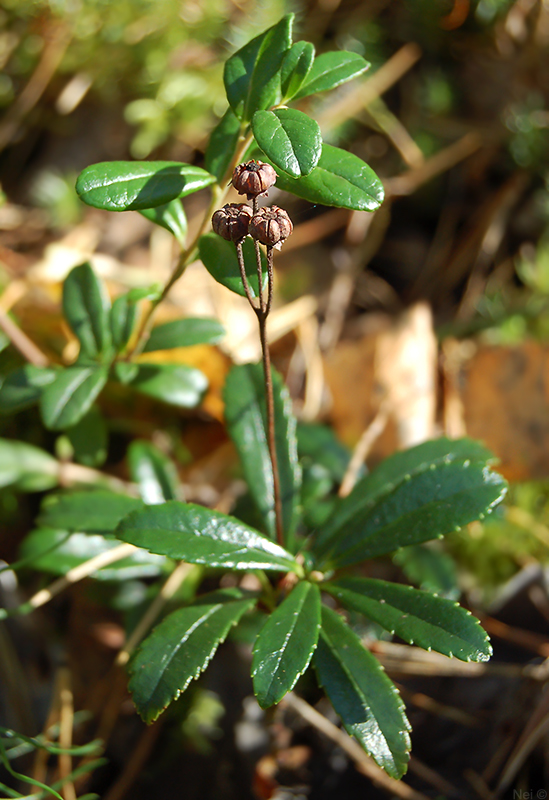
column 170, row 216
column 426, row 506
column 184, row 333
column 340, row 179
column 71, row 395
column 252, row 75
column 27, row 468
column 418, row 617
column 222, row 145
column 189, row 532
column 97, row 511
column 290, row 139
column 177, row 384
column 285, row 644
column 22, row 388
column 122, row 320
column 137, row 185
column 86, row 306
column 245, row 415
column 361, row 693
column 53, row 551
column 330, row 70
column 153, row 472
column 219, row 258
column 295, row 68
column 398, row 469
column 181, row 647
column 89, row 439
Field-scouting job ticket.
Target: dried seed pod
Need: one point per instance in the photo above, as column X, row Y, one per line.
column 231, row 222
column 253, row 178
column 271, row 226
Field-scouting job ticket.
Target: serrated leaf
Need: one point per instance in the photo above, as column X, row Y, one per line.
column 170, row 216
column 97, row 511
column 189, row 532
column 122, row 320
column 138, row 185
column 22, row 388
column 431, row 503
column 295, row 68
column 219, row 258
column 290, row 139
column 330, row 70
column 176, row 384
column 86, row 306
column 245, row 415
column 285, row 644
column 418, row 617
column 222, row 144
column 252, row 75
column 27, row 468
column 361, row 693
column 71, row 395
column 89, row 439
column 340, row 179
column 181, row 647
column 54, row 551
column 391, row 492
column 153, row 472
column 184, row 333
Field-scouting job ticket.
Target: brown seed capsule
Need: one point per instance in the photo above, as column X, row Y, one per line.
column 232, row 221
column 253, row 178
column 270, row 226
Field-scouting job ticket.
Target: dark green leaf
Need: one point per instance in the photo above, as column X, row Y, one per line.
column 86, row 306
column 27, row 468
column 97, row 511
column 184, row 333
column 71, row 395
column 245, row 415
column 153, row 472
column 285, row 644
column 189, row 532
column 426, row 506
column 340, row 179
column 219, row 258
column 4, row 341
column 252, row 75
column 398, row 469
column 289, row 138
column 222, row 145
column 430, row 568
column 125, row 372
column 22, row 388
column 89, row 439
column 295, row 68
column 177, row 384
column 361, row 693
column 52, row 551
column 170, row 216
column 418, row 617
column 181, row 647
column 318, row 444
column 330, row 70
column 123, row 318
column 135, row 185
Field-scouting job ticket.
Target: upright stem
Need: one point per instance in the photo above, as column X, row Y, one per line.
column 262, row 312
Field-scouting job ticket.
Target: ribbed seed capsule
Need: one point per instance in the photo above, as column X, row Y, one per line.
column 253, row 178
column 271, row 226
column 232, row 221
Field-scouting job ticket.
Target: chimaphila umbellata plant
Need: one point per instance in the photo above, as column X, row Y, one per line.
column 299, row 558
